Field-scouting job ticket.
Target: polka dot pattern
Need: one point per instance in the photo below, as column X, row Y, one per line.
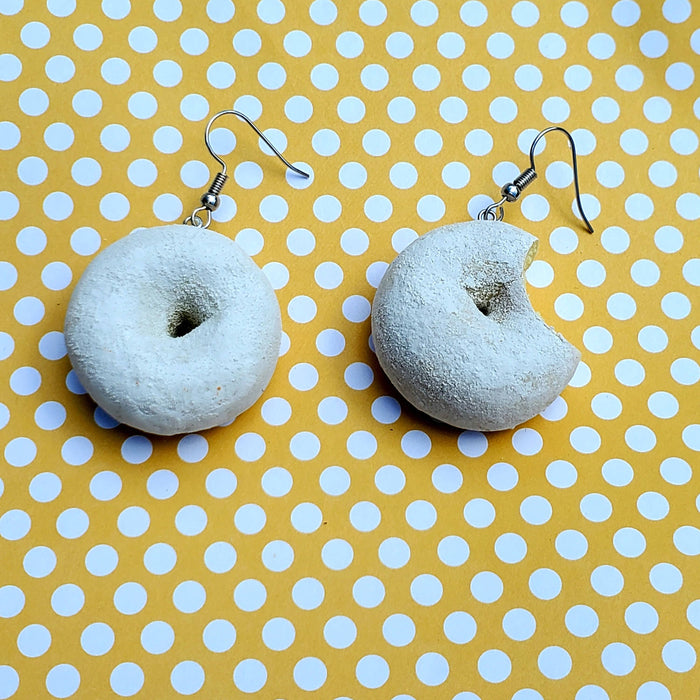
column 331, row 516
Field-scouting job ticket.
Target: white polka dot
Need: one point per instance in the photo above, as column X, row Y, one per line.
column 432, row 669
column 597, row 339
column 276, row 273
column 473, row 13
column 629, row 542
column 657, row 110
column 340, row 632
column 585, row 439
column 502, row 476
column 160, row 558
column 640, row 438
column 552, row 45
column 676, row 11
column 189, row 596
column 618, row 659
column 308, row 593
column 686, row 538
column 372, row 671
column 77, row 450
column 607, row 580
column 12, row 601
column 394, row 552
column 494, row 665
column 528, row 77
column 157, row 637
column 368, row 591
column 421, row 515
column 595, row 507
column 337, row 554
column 249, row 518
column 133, row 521
column 476, row 78
column 72, row 523
column 571, row 544
column 581, row 620
column 126, row 679
column 479, row 513
column 459, row 627
column 187, row 677
column 545, row 584
column 250, row 447
column 554, row 662
column 606, row 406
column 191, row 520
column 250, row 595
column 33, row 641
column 304, row 445
column 402, row 238
column 398, row 630
column 310, row 673
column 486, row 587
column 666, row 578
column 114, row 206
column 389, row 479
column 349, row 44
column 63, row 680
column 130, row 598
column 447, row 478
column 561, row 474
column 621, row 306
column 218, row 636
column 641, row 618
column 219, row 557
column 452, row 551
column 45, row 487
column 675, row 471
column 307, row 517
column 663, row 405
column 605, row 110
column 519, row 624
column 21, row 451
column 39, row 562
column 688, row 205
column 250, row 675
column 679, row 656
column 361, row 444
column 332, row 410
column 525, row 13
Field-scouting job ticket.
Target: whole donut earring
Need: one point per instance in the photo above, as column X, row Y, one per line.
column 175, row 329
column 454, row 329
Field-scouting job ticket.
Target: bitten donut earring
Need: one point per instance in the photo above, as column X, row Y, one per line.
column 175, row 329
column 454, row 329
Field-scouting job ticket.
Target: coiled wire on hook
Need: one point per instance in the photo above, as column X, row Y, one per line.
column 510, row 192
column 210, row 199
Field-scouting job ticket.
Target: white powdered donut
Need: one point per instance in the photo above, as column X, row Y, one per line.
column 173, row 329
column 455, row 332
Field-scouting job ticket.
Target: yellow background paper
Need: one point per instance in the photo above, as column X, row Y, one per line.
column 332, row 542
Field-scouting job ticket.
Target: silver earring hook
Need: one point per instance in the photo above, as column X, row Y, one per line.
column 510, row 192
column 210, row 199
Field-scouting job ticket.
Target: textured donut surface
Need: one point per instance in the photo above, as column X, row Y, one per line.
column 455, row 332
column 173, row 329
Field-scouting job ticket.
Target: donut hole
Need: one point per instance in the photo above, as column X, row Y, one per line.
column 184, row 321
column 486, row 298
column 191, row 309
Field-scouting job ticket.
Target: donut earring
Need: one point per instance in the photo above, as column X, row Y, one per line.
column 454, row 329
column 175, row 329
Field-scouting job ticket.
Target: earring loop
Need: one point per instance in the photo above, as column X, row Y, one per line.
column 511, row 191
column 210, row 199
